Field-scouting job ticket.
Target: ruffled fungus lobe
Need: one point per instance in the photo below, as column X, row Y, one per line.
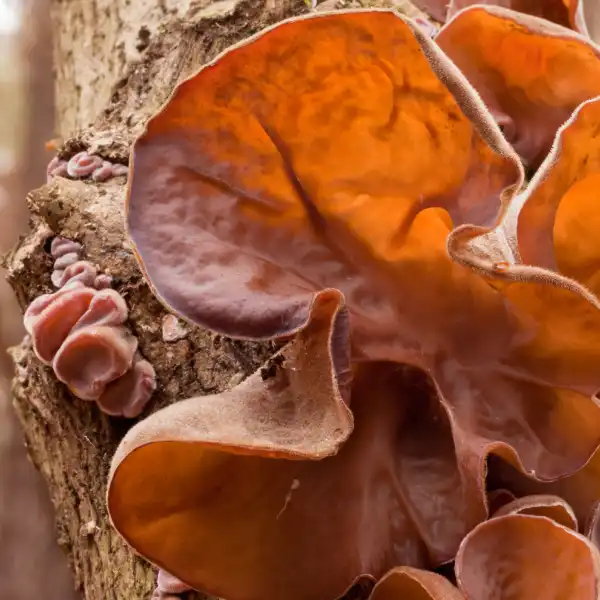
column 558, row 70
column 511, row 557
column 557, row 226
column 120, row 170
column 128, row 395
column 103, row 172
column 556, row 11
column 339, row 170
column 559, row 220
column 79, row 330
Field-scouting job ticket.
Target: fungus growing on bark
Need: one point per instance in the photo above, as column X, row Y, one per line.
column 83, row 165
column 516, row 556
column 557, row 71
column 103, row 172
column 79, row 330
column 56, row 168
column 68, row 266
column 337, row 180
column 169, row 587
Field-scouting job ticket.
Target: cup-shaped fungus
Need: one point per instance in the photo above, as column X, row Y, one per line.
column 79, row 330
column 337, row 179
column 557, row 70
column 519, row 555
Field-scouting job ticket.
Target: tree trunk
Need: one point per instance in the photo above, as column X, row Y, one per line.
column 117, row 61
column 26, row 515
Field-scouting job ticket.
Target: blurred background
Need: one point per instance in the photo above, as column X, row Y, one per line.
column 31, row 564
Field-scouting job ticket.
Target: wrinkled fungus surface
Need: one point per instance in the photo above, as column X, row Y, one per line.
column 80, row 331
column 338, row 182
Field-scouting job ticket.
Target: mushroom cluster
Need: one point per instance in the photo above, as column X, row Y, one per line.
column 83, row 165
column 80, row 331
column 416, row 217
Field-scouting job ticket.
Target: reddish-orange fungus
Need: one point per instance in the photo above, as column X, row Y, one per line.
column 337, row 182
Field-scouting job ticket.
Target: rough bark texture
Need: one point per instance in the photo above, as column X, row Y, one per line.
column 118, row 60
column 31, row 563
column 69, row 440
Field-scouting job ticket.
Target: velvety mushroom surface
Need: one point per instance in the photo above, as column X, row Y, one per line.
column 337, row 181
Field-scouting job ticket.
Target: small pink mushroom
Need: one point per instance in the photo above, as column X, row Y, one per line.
column 56, row 168
column 50, row 318
column 92, row 357
column 103, row 281
column 83, row 165
column 79, row 330
column 61, row 246
column 169, row 584
column 69, row 268
column 120, row 170
column 128, row 395
column 82, row 271
column 103, row 172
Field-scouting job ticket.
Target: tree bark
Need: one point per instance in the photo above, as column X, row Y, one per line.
column 26, row 515
column 117, row 61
